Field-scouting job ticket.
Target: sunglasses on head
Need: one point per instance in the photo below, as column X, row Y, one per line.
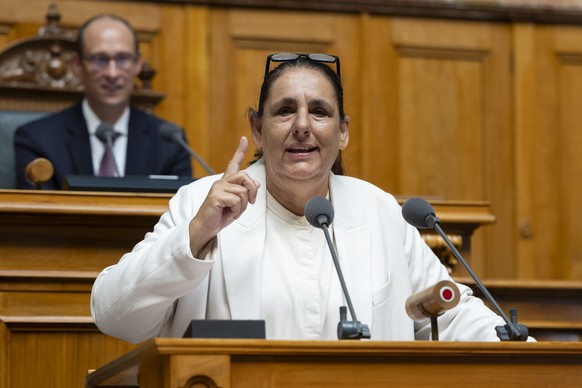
column 288, row 57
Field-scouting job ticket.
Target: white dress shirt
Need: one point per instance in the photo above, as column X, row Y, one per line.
column 97, row 146
column 304, row 293
column 159, row 287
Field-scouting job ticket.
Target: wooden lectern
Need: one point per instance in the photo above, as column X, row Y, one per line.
column 188, row 363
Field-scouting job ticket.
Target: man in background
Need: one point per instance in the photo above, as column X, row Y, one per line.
column 107, row 61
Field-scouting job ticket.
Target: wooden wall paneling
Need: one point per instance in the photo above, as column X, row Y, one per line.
column 13, row 30
column 547, row 83
column 197, row 83
column 75, row 12
column 222, row 72
column 451, row 126
column 240, row 42
column 349, row 45
column 143, row 16
column 440, row 103
column 27, row 20
column 524, row 86
column 498, row 146
column 439, row 128
column 557, row 168
column 545, row 229
column 4, row 356
column 25, row 30
column 169, row 59
column 380, row 90
column 570, row 176
column 14, row 11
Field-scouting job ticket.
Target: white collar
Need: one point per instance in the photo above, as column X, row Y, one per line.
column 93, row 121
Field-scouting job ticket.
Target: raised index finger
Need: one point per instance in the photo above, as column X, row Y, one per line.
column 234, row 164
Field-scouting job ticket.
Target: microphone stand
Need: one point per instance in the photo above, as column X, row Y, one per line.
column 353, row 329
column 434, row 328
column 511, row 331
column 434, row 324
column 185, row 145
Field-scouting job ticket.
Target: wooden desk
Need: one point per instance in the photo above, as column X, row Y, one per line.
column 168, row 363
column 52, row 351
column 72, row 231
column 53, row 245
column 84, row 231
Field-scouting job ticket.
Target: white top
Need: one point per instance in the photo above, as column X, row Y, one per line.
column 301, row 291
column 97, row 147
column 159, row 287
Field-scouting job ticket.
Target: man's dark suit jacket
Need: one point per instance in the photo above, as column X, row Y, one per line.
column 63, row 139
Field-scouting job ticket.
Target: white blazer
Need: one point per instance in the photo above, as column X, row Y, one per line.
column 159, row 287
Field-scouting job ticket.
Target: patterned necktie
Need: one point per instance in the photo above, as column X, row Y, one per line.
column 107, row 166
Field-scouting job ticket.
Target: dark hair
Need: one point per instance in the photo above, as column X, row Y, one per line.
column 83, row 28
column 302, row 62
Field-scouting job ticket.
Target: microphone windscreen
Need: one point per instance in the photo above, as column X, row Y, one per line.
column 168, row 131
column 105, row 132
column 319, row 210
column 39, row 171
column 416, row 210
column 433, row 301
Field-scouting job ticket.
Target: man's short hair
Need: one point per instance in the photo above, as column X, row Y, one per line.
column 81, row 32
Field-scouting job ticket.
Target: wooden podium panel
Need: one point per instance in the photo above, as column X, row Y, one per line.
column 88, row 231
column 53, row 351
column 73, row 231
column 53, row 244
column 176, row 363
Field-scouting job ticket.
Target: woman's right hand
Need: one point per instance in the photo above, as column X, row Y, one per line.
column 226, row 201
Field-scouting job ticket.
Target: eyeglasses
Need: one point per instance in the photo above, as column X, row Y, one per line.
column 122, row 61
column 288, row 57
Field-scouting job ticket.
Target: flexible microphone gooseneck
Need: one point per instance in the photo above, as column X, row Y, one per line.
column 105, row 133
column 319, row 213
column 420, row 214
column 171, row 133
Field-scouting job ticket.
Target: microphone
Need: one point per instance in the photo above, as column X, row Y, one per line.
column 171, row 132
column 420, row 214
column 105, row 133
column 319, row 213
column 432, row 301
